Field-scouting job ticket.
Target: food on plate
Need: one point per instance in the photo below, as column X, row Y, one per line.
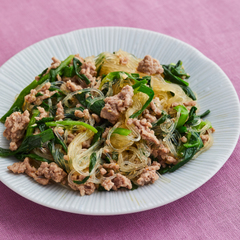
column 106, row 122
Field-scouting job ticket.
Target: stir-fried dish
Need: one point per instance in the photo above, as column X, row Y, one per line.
column 104, row 123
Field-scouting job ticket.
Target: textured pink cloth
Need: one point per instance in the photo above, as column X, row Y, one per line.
column 213, row 27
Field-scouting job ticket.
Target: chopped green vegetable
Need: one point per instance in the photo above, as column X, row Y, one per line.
column 29, row 131
column 161, row 120
column 173, row 73
column 90, row 103
column 83, row 181
column 71, row 123
column 182, row 129
column 93, row 160
column 168, row 75
column 189, row 153
column 97, row 135
column 54, row 72
column 38, row 94
column 122, row 131
column 77, row 67
column 68, row 71
column 183, row 115
column 134, row 186
column 140, row 87
column 178, row 70
column 188, row 92
column 204, row 114
column 33, row 156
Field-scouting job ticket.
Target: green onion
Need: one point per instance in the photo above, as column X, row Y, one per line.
column 83, row 181
column 122, row 131
column 93, row 160
column 77, row 67
column 204, row 114
column 71, row 123
column 183, row 115
column 29, row 131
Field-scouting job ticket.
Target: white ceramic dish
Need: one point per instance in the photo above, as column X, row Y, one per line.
column 214, row 90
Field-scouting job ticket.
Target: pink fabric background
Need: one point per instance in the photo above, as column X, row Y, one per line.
column 213, row 27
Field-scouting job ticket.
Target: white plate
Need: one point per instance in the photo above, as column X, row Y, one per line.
column 214, row 89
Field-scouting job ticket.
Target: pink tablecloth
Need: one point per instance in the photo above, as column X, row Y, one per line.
column 213, row 27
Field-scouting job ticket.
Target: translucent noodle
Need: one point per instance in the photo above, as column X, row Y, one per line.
column 112, row 62
column 70, row 95
column 118, row 142
column 162, row 90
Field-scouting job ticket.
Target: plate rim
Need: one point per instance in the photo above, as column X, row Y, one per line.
column 143, row 208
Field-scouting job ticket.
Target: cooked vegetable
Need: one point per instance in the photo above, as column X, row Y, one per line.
column 183, row 115
column 175, row 73
column 122, row 131
column 20, row 99
column 77, row 66
column 71, row 123
column 29, row 143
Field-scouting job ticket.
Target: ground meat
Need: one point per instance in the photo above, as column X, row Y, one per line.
column 84, row 189
column 25, row 167
column 51, row 171
column 42, row 180
column 43, row 113
column 60, row 111
column 149, row 117
column 103, row 171
column 156, row 106
column 87, row 188
column 163, row 154
column 175, row 104
column 121, row 181
column 70, row 137
column 170, row 159
column 107, row 184
column 123, row 60
column 96, row 118
column 85, row 114
column 72, row 86
column 143, row 127
column 117, row 104
column 150, row 65
column 16, row 125
column 89, row 70
column 105, row 133
column 59, row 77
column 87, row 144
column 113, row 166
column 31, row 97
column 20, row 167
column 60, row 131
column 54, row 64
column 149, row 174
column 183, row 139
column 110, row 173
column 191, row 104
column 205, row 138
column 211, row 130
